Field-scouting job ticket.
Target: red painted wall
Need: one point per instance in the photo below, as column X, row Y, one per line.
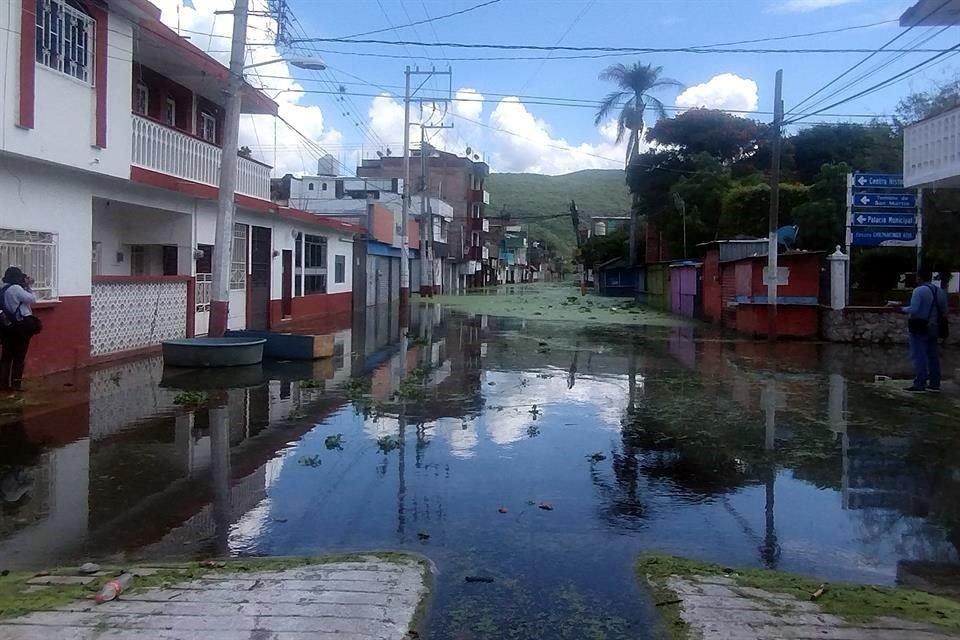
column 28, row 65
column 321, row 313
column 804, row 275
column 64, row 343
column 712, row 307
column 793, row 321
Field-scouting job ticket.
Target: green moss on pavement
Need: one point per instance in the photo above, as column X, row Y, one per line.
column 853, row 602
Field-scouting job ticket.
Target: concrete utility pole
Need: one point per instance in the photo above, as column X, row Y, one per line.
column 772, row 261
column 405, row 202
column 223, row 238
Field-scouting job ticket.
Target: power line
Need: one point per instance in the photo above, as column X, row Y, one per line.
column 632, row 50
column 869, row 72
column 864, row 61
column 428, row 20
column 882, row 84
column 556, row 102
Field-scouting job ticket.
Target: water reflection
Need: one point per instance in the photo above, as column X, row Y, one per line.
column 447, row 436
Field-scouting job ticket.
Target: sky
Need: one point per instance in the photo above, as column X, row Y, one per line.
column 497, row 108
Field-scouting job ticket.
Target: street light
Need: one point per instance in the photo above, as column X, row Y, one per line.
column 307, row 63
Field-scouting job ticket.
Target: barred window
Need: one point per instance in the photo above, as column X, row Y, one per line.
column 238, row 264
column 311, row 265
column 35, row 252
column 65, row 39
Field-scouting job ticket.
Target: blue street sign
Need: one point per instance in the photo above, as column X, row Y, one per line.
column 878, row 219
column 878, row 237
column 892, row 200
column 877, row 180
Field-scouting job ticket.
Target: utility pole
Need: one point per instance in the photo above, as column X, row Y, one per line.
column 405, row 202
column 426, row 263
column 223, row 238
column 772, row 257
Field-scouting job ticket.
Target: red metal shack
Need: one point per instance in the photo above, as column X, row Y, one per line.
column 798, row 294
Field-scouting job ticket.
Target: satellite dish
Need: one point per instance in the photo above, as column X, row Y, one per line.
column 379, row 154
column 476, row 156
column 469, row 151
column 389, row 152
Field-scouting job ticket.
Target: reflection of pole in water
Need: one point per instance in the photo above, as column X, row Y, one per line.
column 402, row 427
column 220, row 471
column 632, row 371
column 837, row 416
column 770, row 549
column 572, row 374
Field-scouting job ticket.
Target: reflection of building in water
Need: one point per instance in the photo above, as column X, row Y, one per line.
column 141, row 475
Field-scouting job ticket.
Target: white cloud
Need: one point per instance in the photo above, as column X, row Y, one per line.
column 468, row 103
column 522, row 142
column 212, row 33
column 724, row 91
column 802, row 6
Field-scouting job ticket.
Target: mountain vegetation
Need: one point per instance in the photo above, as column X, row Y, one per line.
column 542, row 203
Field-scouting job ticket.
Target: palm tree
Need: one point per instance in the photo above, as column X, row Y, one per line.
column 632, row 97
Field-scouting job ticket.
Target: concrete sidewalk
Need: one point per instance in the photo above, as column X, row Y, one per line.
column 367, row 599
column 717, row 608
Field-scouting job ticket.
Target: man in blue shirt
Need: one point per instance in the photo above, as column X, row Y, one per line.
column 927, row 304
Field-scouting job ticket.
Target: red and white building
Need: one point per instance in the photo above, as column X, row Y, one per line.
column 109, row 164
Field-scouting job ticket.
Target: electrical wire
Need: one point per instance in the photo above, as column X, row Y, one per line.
column 428, row 20
column 621, row 50
column 882, row 48
column 883, row 84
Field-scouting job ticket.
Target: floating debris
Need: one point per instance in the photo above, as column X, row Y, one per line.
column 502, row 510
column 484, row 579
column 545, row 506
column 596, row 457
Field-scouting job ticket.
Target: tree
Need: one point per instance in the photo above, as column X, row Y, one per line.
column 925, row 104
column 599, row 249
column 632, row 96
column 725, row 137
column 874, row 147
column 746, row 209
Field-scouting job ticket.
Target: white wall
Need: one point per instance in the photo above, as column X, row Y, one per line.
column 39, row 198
column 64, row 128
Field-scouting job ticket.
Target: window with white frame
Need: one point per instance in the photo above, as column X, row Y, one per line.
column 170, row 112
column 238, row 263
column 208, row 127
column 476, row 211
column 475, row 239
column 35, row 252
column 339, row 269
column 65, row 39
column 142, row 104
column 311, row 265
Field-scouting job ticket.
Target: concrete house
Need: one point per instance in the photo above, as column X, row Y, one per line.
column 110, row 149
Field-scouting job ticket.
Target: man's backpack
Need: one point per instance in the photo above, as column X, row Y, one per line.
column 943, row 321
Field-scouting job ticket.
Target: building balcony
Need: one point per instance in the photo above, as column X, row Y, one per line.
column 165, row 150
column 931, row 151
column 478, row 195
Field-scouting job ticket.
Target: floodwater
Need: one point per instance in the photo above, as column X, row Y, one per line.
column 667, row 439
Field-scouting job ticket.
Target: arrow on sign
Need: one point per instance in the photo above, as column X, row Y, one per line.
column 861, row 219
column 864, row 200
column 861, row 180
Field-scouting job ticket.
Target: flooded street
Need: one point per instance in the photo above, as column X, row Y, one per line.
column 544, row 456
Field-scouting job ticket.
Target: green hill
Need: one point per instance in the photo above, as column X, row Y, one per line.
column 529, row 197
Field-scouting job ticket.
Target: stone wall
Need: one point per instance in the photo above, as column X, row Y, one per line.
column 872, row 325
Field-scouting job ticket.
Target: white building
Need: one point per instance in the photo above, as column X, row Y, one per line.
column 109, row 165
column 350, row 199
column 931, row 147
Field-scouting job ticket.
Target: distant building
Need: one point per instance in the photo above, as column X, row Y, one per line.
column 459, row 181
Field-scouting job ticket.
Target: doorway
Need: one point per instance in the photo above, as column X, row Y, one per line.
column 261, row 250
column 286, row 289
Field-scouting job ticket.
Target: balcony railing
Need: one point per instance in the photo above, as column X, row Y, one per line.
column 165, row 150
column 931, row 151
column 486, row 225
column 479, row 195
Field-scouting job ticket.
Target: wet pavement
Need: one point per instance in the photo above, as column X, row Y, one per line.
column 544, row 456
